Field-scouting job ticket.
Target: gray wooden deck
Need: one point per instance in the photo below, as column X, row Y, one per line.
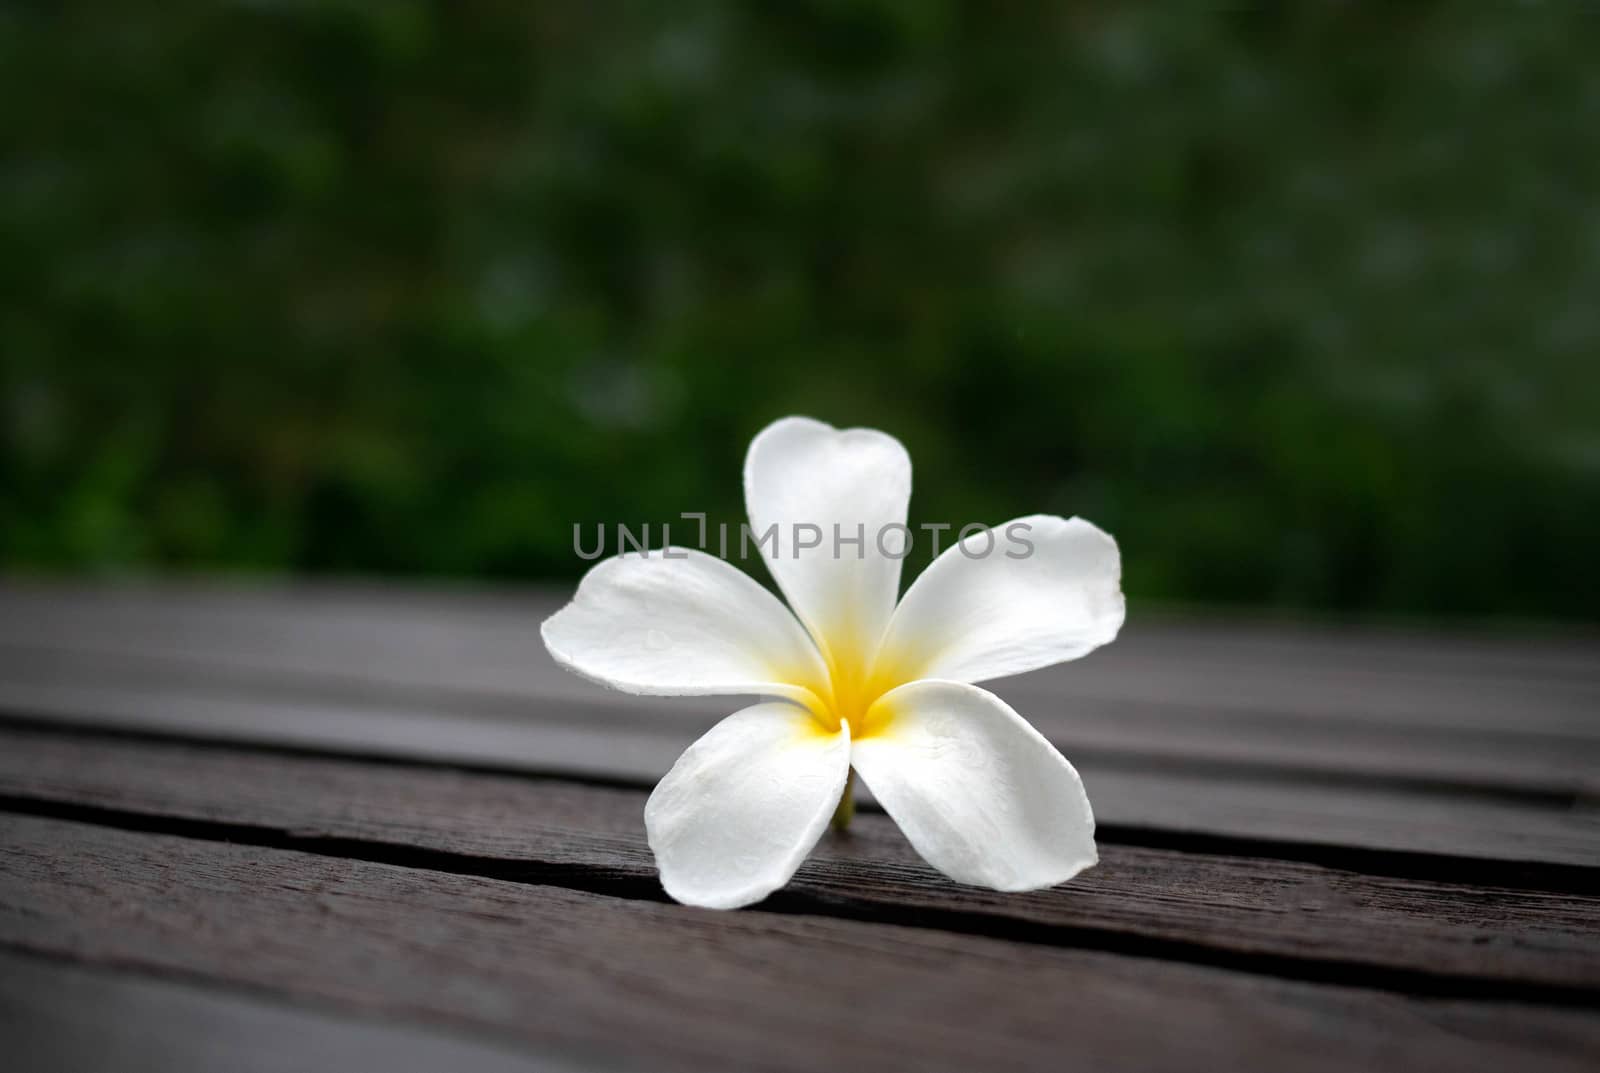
column 370, row 828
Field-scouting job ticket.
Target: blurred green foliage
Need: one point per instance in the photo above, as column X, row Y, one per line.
column 1299, row 303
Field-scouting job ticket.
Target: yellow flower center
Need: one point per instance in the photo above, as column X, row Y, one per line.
column 852, row 690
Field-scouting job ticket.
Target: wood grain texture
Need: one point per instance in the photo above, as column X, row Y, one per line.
column 1321, row 848
column 599, row 739
column 1285, row 917
column 1194, row 733
column 57, row 1017
column 677, row 988
column 1496, row 713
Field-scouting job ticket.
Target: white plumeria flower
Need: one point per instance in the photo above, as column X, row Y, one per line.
column 854, row 681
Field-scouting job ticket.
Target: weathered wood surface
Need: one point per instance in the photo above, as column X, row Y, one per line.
column 1415, row 744
column 1291, row 918
column 358, row 827
column 1405, row 705
column 61, row 1017
column 663, row 986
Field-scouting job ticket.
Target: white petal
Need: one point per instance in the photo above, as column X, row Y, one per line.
column 800, row 472
column 689, row 626
column 743, row 806
column 973, row 616
column 980, row 793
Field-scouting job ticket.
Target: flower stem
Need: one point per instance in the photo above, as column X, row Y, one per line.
column 846, row 808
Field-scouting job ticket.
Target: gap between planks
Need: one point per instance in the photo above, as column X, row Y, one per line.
column 1462, row 746
column 691, row 989
column 1499, row 711
column 1296, row 921
column 1513, row 765
column 1555, row 876
column 1254, row 805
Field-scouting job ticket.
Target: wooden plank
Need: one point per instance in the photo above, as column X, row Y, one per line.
column 1290, row 918
column 672, row 987
column 484, row 640
column 601, row 740
column 1510, row 715
column 206, row 610
column 56, row 1017
column 1507, row 763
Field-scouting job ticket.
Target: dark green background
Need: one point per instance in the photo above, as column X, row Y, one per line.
column 1302, row 307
